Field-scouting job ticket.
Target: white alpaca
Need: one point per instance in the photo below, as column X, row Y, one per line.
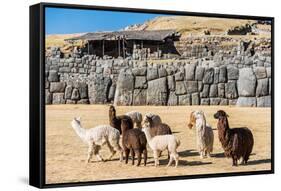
column 160, row 143
column 204, row 134
column 97, row 137
column 155, row 118
column 136, row 117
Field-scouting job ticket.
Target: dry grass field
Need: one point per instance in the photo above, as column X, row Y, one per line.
column 66, row 153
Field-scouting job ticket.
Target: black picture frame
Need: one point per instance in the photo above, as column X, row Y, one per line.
column 37, row 95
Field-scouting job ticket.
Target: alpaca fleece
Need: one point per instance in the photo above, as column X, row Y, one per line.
column 236, row 142
column 136, row 117
column 115, row 121
column 134, row 142
column 204, row 133
column 97, row 137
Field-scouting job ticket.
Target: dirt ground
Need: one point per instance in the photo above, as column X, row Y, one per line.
column 66, row 153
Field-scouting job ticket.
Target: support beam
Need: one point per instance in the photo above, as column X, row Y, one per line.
column 102, row 47
column 88, row 47
column 118, row 47
column 124, row 49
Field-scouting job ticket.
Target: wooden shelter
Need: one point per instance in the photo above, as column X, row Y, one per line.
column 123, row 43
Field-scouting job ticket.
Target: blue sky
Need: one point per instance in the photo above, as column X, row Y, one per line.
column 64, row 21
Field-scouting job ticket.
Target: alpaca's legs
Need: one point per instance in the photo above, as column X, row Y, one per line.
column 138, row 153
column 127, row 152
column 171, row 159
column 145, row 156
column 111, row 150
column 155, row 155
column 234, row 160
column 133, row 156
column 176, row 159
column 96, row 152
column 118, row 148
column 201, row 154
column 90, row 152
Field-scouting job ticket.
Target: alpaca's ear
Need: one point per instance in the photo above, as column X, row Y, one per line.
column 78, row 118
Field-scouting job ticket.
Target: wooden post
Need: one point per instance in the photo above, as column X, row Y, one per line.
column 118, row 47
column 88, row 47
column 124, row 54
column 102, row 47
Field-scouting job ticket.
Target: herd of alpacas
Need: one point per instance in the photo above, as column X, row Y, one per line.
column 237, row 143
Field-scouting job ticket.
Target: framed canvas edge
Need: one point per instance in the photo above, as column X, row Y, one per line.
column 41, row 183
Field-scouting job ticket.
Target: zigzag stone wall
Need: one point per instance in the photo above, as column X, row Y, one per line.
column 216, row 80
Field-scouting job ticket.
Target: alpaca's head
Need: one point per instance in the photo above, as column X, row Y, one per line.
column 192, row 120
column 76, row 122
column 147, row 122
column 125, row 125
column 195, row 115
column 220, row 114
column 112, row 111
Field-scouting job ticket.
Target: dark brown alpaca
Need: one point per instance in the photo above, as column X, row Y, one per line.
column 134, row 142
column 236, row 142
column 115, row 121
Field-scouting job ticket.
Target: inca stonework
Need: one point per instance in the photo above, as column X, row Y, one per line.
column 201, row 77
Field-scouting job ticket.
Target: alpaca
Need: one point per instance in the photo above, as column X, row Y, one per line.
column 136, row 117
column 97, row 137
column 160, row 143
column 155, row 118
column 204, row 133
column 157, row 127
column 134, row 141
column 115, row 121
column 236, row 142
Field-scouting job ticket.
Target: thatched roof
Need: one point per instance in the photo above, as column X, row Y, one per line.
column 153, row 35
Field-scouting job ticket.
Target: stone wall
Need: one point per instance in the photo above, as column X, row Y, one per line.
column 238, row 78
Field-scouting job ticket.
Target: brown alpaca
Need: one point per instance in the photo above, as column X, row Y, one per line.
column 236, row 142
column 115, row 121
column 134, row 142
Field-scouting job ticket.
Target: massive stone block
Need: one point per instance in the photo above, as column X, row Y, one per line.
column 157, row 92
column 48, row 97
column 260, row 72
column 173, row 99
column 140, row 82
column 75, row 94
column 180, row 88
column 152, row 73
column 83, row 89
column 139, row 71
column 208, row 76
column 199, row 74
column 68, row 92
column 205, row 91
column 139, row 97
column 184, row 99
column 221, row 90
column 58, row 98
column 232, row 73
column 179, row 76
column 215, row 101
column 57, row 87
column 171, row 83
column 98, row 89
column 216, row 75
column 53, row 76
column 162, row 72
column 195, row 99
column 191, row 86
column 213, row 90
column 223, row 74
column 247, row 101
column 205, row 101
column 230, row 90
column 246, row 82
column 190, row 71
column 111, row 92
column 262, row 87
column 264, row 101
